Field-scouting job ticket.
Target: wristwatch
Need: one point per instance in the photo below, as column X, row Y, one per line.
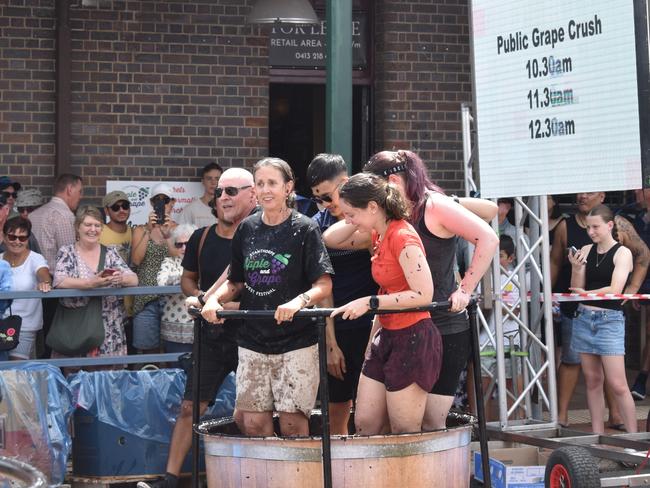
column 305, row 298
column 201, row 298
column 374, row 302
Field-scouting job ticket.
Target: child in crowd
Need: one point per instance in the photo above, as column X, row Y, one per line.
column 511, row 338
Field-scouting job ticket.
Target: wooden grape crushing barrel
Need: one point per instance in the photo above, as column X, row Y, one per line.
column 426, row 459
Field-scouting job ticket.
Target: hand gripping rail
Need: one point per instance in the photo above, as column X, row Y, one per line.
column 319, row 315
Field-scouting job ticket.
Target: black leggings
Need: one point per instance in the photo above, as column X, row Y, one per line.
column 456, row 349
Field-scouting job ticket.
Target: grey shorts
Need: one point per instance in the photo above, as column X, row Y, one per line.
column 285, row 382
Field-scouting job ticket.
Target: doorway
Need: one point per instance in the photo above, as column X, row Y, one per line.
column 297, row 126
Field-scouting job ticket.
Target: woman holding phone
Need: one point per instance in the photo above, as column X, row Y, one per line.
column 78, row 266
column 599, row 325
column 151, row 244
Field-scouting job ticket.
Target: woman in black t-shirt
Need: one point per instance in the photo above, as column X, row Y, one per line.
column 279, row 262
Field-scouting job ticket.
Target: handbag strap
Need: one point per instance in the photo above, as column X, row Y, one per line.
column 198, row 253
column 102, row 257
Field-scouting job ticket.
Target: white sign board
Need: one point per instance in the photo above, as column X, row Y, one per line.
column 556, row 96
column 139, row 195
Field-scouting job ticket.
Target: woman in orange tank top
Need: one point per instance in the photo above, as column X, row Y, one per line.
column 405, row 352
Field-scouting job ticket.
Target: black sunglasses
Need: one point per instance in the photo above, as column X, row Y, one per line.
column 327, row 198
column 180, row 245
column 231, row 191
column 10, row 194
column 163, row 198
column 321, row 199
column 13, row 237
column 26, row 209
column 125, row 205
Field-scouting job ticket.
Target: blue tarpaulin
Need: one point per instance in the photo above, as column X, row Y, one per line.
column 36, row 405
column 144, row 403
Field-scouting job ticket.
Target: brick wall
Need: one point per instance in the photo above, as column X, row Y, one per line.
column 161, row 87
column 422, row 75
column 27, row 90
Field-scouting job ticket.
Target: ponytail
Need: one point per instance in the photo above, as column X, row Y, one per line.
column 394, row 205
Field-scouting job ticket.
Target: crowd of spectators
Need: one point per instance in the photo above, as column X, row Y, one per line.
column 60, row 244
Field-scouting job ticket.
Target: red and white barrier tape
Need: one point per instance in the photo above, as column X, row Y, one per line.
column 581, row 297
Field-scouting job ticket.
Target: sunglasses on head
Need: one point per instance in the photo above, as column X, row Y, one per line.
column 10, row 194
column 163, row 198
column 231, row 191
column 125, row 205
column 180, row 245
column 13, row 237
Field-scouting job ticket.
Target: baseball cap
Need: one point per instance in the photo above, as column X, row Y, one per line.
column 29, row 197
column 161, row 189
column 114, row 197
column 5, row 182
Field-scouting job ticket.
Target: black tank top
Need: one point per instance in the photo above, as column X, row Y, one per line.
column 441, row 256
column 575, row 236
column 599, row 270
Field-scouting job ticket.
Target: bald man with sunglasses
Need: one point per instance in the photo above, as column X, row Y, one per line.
column 206, row 259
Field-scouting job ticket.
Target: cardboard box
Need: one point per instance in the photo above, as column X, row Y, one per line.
column 517, row 467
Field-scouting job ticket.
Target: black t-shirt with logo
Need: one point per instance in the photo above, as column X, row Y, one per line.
column 215, row 256
column 276, row 264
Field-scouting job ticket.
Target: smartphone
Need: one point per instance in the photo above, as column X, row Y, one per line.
column 572, row 250
column 159, row 208
column 107, row 272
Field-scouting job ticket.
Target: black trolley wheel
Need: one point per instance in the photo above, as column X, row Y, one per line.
column 571, row 467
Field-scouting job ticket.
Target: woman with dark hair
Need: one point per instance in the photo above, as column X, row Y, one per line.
column 279, row 262
column 405, row 352
column 440, row 220
column 30, row 272
column 599, row 326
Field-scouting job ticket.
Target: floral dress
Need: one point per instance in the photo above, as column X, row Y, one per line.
column 70, row 265
column 148, row 272
column 176, row 324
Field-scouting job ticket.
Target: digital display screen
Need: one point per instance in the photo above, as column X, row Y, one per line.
column 556, row 96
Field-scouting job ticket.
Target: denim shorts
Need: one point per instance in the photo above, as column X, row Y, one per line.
column 600, row 332
column 146, row 326
column 569, row 355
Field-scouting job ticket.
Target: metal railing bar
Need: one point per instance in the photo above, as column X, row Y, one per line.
column 93, row 292
column 97, row 361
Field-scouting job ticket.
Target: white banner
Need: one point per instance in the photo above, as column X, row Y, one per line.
column 556, row 94
column 139, row 195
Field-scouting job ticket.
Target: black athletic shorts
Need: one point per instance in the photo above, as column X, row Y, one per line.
column 352, row 343
column 218, row 360
column 456, row 349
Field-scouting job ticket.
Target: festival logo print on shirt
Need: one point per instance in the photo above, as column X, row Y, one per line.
column 264, row 269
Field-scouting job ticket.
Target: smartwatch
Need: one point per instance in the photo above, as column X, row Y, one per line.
column 374, row 302
column 201, row 299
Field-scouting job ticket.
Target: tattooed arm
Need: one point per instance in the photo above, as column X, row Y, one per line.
column 629, row 238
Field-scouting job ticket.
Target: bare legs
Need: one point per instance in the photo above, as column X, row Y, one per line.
column 292, row 424
column 377, row 408
column 435, row 414
column 340, row 417
column 567, row 379
column 597, row 370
